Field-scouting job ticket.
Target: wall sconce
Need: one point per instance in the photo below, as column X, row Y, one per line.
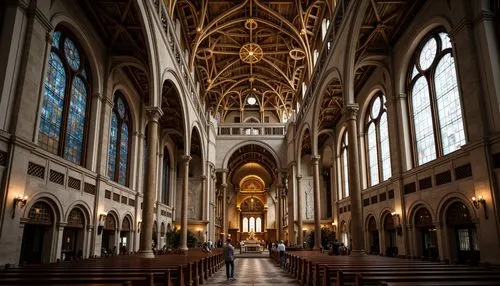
column 480, row 201
column 20, row 201
column 397, row 223
column 100, row 225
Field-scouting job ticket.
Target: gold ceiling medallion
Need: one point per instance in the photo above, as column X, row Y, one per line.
column 251, row 53
column 297, row 54
column 250, row 24
column 204, row 54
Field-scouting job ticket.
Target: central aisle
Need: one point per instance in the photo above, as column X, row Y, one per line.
column 253, row 271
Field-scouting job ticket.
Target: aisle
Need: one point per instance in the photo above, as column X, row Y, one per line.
column 253, row 271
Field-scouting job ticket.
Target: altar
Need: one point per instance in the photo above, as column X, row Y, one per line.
column 251, row 244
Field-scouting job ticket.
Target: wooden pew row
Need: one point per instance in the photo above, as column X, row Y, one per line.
column 192, row 269
column 310, row 268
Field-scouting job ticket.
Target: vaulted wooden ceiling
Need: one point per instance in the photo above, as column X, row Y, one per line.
column 251, row 48
column 120, row 26
column 252, row 154
column 383, row 23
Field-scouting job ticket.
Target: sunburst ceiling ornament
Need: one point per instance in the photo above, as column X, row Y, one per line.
column 251, row 53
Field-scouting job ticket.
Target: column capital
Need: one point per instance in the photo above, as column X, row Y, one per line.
column 315, row 159
column 223, row 185
column 351, row 111
column 298, row 177
column 154, row 113
column 186, row 158
column 203, row 177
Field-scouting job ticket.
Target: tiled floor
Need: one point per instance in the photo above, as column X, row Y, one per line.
column 253, row 271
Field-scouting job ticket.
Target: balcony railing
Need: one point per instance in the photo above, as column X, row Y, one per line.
column 332, row 33
column 251, row 129
column 177, row 55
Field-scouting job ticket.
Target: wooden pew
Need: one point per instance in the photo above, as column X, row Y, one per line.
column 191, row 269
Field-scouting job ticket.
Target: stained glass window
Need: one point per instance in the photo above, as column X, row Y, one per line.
column 63, row 117
column 344, row 170
column 119, row 141
column 258, row 225
column 436, row 110
column 377, row 141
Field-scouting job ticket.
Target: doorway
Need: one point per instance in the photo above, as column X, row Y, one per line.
column 426, row 235
column 463, row 241
column 37, row 236
column 73, row 236
column 374, row 236
column 125, row 232
column 391, row 249
column 109, row 236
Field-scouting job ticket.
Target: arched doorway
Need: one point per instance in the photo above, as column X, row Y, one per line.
column 462, row 239
column 162, row 236
column 373, row 236
column 125, row 236
column 426, row 235
column 391, row 248
column 155, row 235
column 73, row 236
column 109, row 236
column 38, row 234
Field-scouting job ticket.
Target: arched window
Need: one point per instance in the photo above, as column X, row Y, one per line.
column 119, row 140
column 245, row 224
column 344, row 169
column 377, row 141
column 324, row 28
column 258, row 225
column 166, row 174
column 434, row 99
column 65, row 106
column 252, row 224
column 315, row 56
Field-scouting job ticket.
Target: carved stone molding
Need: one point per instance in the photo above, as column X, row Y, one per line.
column 351, row 111
column 186, row 158
column 154, row 113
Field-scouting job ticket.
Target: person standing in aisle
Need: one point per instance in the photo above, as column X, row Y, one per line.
column 229, row 258
column 281, row 250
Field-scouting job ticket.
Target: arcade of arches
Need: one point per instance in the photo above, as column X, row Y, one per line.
column 123, row 122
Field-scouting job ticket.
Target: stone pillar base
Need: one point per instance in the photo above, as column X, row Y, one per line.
column 358, row 253
column 146, row 254
column 183, row 250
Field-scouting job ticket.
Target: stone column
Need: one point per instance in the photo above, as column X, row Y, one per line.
column 291, row 205
column 317, row 198
column 150, row 191
column 86, row 241
column 224, row 205
column 213, row 206
column 204, row 195
column 357, row 234
column 279, row 223
column 59, row 242
column 300, row 238
column 184, row 205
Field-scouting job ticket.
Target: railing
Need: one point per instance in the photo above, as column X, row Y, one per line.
column 332, row 32
column 175, row 48
column 251, row 129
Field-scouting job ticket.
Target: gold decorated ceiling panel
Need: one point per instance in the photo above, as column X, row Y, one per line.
column 251, row 48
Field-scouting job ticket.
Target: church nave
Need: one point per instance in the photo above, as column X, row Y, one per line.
column 253, row 271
